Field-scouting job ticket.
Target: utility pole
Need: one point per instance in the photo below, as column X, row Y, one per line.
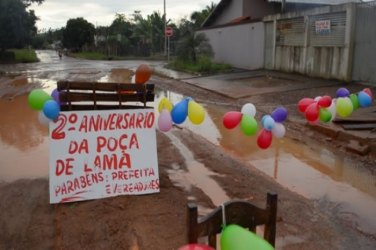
column 165, row 20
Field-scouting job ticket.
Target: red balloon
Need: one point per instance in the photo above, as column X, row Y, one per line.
column 312, row 112
column 304, row 103
column 196, row 247
column 369, row 92
column 325, row 101
column 264, row 139
column 232, row 119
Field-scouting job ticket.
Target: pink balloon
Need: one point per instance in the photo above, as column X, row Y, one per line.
column 164, row 121
column 196, row 247
column 304, row 103
column 232, row 119
column 264, row 139
column 312, row 112
column 369, row 92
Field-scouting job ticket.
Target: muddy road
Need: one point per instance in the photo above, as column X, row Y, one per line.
column 327, row 196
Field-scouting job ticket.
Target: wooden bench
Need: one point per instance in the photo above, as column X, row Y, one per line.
column 238, row 212
column 74, row 95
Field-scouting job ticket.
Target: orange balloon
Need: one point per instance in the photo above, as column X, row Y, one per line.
column 143, row 73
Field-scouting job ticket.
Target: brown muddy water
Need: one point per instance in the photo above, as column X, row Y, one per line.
column 336, row 183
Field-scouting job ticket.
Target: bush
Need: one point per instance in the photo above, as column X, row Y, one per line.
column 7, row 56
column 204, row 65
column 19, row 56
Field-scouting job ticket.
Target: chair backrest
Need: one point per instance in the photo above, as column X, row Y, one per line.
column 242, row 213
column 98, row 95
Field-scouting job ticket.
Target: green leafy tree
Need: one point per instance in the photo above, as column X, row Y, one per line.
column 191, row 45
column 198, row 17
column 120, row 37
column 77, row 33
column 149, row 32
column 17, row 25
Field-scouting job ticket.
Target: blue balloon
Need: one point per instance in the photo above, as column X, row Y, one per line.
column 51, row 109
column 268, row 123
column 279, row 114
column 180, row 112
column 364, row 99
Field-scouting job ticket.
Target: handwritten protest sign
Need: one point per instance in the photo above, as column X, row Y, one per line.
column 322, row 27
column 97, row 154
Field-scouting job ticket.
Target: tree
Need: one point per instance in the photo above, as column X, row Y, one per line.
column 78, row 32
column 190, row 45
column 120, row 36
column 149, row 31
column 198, row 17
column 17, row 24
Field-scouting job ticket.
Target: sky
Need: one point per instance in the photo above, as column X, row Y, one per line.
column 55, row 13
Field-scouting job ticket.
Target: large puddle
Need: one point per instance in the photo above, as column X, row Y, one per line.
column 339, row 184
column 313, row 171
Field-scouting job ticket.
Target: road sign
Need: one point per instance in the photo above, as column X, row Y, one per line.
column 169, row 31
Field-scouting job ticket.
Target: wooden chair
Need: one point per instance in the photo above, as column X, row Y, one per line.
column 242, row 213
column 98, row 95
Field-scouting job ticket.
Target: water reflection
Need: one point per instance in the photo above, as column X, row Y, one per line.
column 23, row 141
column 19, row 125
column 308, row 169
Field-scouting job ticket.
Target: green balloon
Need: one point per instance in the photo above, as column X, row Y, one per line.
column 37, row 98
column 235, row 237
column 344, row 106
column 248, row 125
column 355, row 101
column 325, row 115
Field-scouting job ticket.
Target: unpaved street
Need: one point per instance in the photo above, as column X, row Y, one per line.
column 226, row 164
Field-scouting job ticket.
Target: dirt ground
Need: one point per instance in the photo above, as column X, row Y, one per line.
column 158, row 221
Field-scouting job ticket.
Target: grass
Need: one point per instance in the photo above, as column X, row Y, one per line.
column 101, row 56
column 18, row 56
column 203, row 66
column 25, row 55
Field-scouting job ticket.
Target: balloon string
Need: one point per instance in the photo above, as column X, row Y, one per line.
column 223, row 215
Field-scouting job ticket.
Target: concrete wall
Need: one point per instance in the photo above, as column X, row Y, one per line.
column 242, row 46
column 364, row 66
column 326, row 61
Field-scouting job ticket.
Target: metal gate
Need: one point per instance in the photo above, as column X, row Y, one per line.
column 364, row 62
column 269, row 45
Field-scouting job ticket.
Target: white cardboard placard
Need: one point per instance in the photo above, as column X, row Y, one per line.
column 98, row 154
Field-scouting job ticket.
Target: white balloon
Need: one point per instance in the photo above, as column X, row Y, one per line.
column 249, row 109
column 317, row 98
column 332, row 109
column 279, row 130
column 43, row 120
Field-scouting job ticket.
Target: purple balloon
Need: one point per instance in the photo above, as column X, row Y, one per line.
column 279, row 114
column 342, row 92
column 55, row 95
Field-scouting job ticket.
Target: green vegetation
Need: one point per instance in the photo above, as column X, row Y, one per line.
column 203, row 66
column 17, row 23
column 19, row 56
column 25, row 55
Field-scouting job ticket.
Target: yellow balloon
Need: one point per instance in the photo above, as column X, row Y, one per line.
column 196, row 112
column 344, row 106
column 165, row 103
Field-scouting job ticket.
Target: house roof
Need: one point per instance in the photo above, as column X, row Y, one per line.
column 216, row 12
column 331, row 2
column 290, row 4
